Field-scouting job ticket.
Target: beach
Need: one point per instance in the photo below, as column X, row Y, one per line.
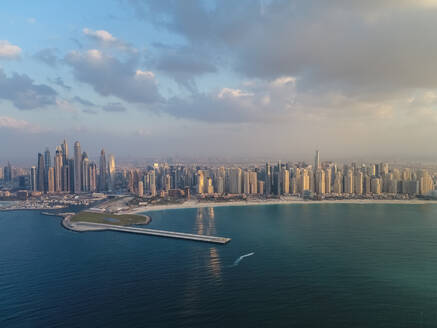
column 206, row 204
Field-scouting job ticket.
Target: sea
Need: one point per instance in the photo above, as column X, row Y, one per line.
column 298, row 265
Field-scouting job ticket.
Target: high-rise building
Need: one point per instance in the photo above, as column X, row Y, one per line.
column 358, row 183
column 77, row 168
column 328, row 174
column 40, row 173
column 375, row 185
column 285, row 181
column 51, row 180
column 338, row 183
column 246, row 183
column 7, row 173
column 92, row 173
column 111, row 171
column 85, row 172
column 253, row 182
column 220, row 185
column 140, row 188
column 209, row 187
column 33, row 178
column 349, row 182
column 200, row 187
column 102, row 171
column 235, row 181
column 268, row 180
column 317, row 161
column 64, row 147
column 320, row 182
column 58, row 169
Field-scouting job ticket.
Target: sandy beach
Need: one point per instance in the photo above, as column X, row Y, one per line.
column 197, row 204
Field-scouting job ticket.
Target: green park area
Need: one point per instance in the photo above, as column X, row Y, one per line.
column 108, row 218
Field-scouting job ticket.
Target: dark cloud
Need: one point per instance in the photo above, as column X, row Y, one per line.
column 110, row 76
column 48, row 56
column 83, row 102
column 114, row 107
column 183, row 64
column 60, row 82
column 24, row 93
column 357, row 47
column 89, row 111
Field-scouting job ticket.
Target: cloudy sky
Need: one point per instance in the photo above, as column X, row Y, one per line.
column 220, row 78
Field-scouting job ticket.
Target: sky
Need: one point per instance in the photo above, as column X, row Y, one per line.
column 224, row 79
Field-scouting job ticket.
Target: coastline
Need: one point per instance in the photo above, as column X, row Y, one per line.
column 197, row 204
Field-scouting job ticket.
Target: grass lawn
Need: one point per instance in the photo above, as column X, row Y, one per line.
column 122, row 220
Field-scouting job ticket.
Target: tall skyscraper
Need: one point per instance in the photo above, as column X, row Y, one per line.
column 93, row 176
column 102, row 173
column 111, row 171
column 47, row 159
column 33, row 178
column 268, row 182
column 77, row 168
column 7, row 174
column 317, row 161
column 40, row 173
column 85, row 172
column 58, row 169
column 64, row 147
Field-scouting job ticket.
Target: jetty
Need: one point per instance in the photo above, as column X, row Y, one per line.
column 90, row 226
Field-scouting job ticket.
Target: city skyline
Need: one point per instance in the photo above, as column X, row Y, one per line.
column 205, row 78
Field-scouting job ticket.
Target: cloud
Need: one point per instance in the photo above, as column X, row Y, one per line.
column 60, row 82
column 89, row 111
column 47, row 56
column 110, row 76
column 255, row 101
column 114, row 107
column 363, row 48
column 12, row 123
column 8, row 50
column 83, row 102
column 106, row 38
column 180, row 64
column 24, row 93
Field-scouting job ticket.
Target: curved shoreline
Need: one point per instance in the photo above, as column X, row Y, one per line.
column 195, row 204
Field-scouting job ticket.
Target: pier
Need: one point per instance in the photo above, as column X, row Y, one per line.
column 88, row 226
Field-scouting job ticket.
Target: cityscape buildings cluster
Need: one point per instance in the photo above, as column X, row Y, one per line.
column 71, row 175
column 77, row 174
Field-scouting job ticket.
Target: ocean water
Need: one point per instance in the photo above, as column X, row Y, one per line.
column 313, row 265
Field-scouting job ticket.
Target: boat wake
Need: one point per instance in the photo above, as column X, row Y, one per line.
column 237, row 261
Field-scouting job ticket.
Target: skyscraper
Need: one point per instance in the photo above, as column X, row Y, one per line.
column 64, row 147
column 50, row 180
column 58, row 169
column 85, row 172
column 102, row 173
column 77, row 168
column 47, row 159
column 7, row 174
column 268, row 182
column 111, row 171
column 317, row 161
column 33, row 178
column 40, row 173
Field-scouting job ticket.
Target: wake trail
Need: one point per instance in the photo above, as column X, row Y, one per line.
column 237, row 261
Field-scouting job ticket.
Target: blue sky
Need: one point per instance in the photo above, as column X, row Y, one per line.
column 219, row 78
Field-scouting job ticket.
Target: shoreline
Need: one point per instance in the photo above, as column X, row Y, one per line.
column 197, row 204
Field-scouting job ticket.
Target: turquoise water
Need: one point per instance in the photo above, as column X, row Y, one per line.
column 314, row 265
